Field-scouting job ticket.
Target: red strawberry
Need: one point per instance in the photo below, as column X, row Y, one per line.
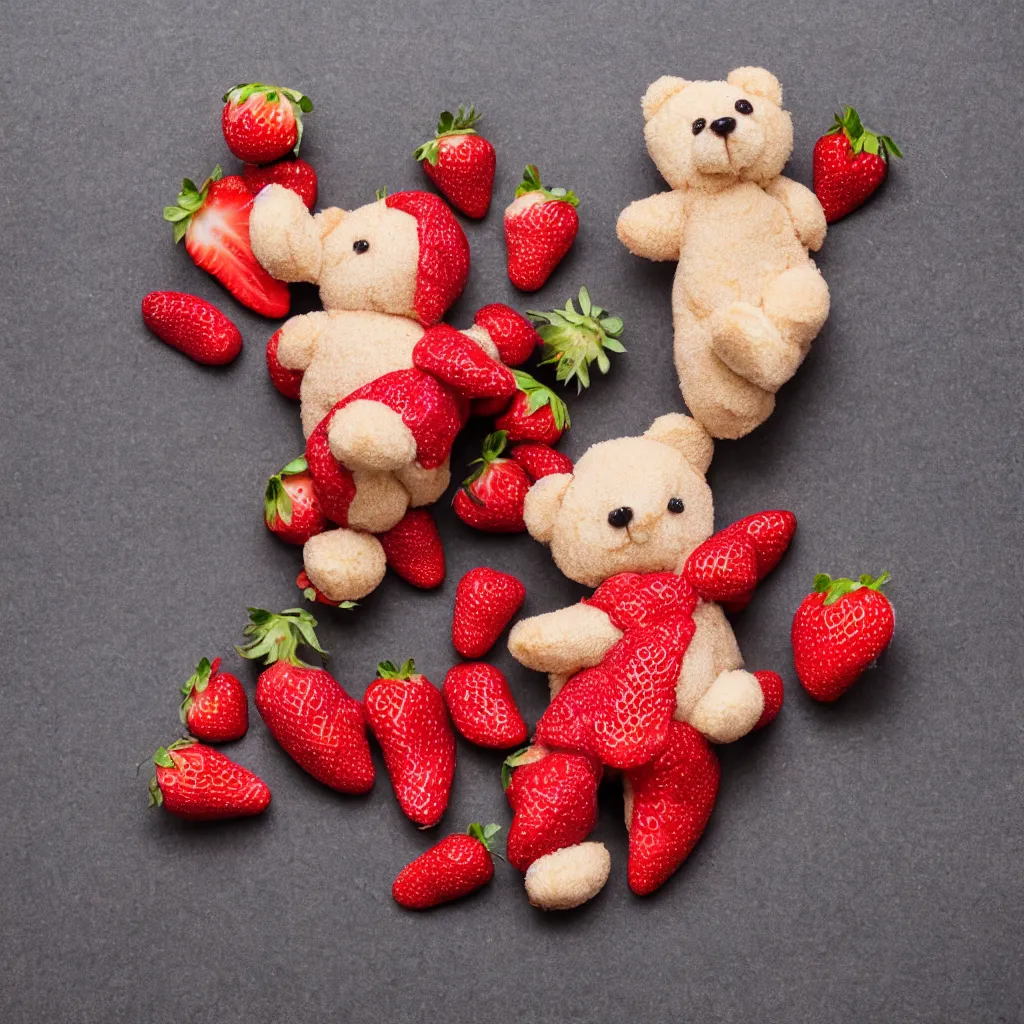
column 540, row 460
column 455, row 867
column 488, row 408
column 214, row 221
column 262, row 123
column 197, row 782
column 290, row 508
column 319, row 725
column 553, row 797
column 540, row 227
column 413, row 549
column 461, row 363
column 723, row 569
column 536, row 413
column 491, row 498
column 310, row 593
column 672, row 798
column 192, row 326
column 512, row 333
column 575, row 338
column 460, row 162
column 214, row 708
column 771, row 687
column 850, row 163
column 294, row 174
column 838, row 631
column 485, row 601
column 288, row 382
column 406, row 713
column 482, row 707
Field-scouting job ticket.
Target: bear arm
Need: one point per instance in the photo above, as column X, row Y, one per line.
column 803, row 208
column 653, row 227
column 712, row 651
column 298, row 337
column 563, row 641
column 730, row 709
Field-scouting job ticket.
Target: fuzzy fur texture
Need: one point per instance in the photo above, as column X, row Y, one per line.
column 747, row 300
column 568, row 877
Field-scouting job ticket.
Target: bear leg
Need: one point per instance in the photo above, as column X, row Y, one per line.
column 369, row 435
column 797, row 302
column 344, row 565
column 425, row 486
column 380, row 502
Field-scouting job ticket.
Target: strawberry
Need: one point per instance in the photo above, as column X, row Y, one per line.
column 461, row 363
column 553, row 797
column 540, row 227
column 214, row 707
column 288, row 382
column 574, row 338
column 407, row 715
column 197, row 782
column 838, row 631
column 491, row 498
column 319, row 725
column 214, row 221
column 192, row 326
column 772, row 689
column 536, row 413
column 290, row 508
column 413, row 549
column 263, row 122
column 540, row 460
column 850, row 163
column 513, row 335
column 482, row 707
column 460, row 162
column 296, row 175
column 455, row 867
column 668, row 804
column 485, row 601
column 770, row 533
column 310, row 593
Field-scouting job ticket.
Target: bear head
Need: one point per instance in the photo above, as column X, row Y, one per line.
column 709, row 135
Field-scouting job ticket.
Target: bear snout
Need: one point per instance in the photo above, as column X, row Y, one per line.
column 723, row 126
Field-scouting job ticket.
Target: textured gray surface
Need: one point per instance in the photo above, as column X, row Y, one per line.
column 864, row 861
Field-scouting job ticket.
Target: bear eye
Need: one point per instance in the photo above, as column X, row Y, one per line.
column 620, row 517
column 675, row 505
column 698, row 126
column 361, row 245
column 744, row 107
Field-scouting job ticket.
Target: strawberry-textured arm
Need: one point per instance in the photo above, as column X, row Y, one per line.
column 637, row 599
column 461, row 364
column 803, row 208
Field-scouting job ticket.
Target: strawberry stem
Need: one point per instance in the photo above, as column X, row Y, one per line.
column 276, row 637
column 196, row 683
column 277, row 504
column 190, row 201
column 494, row 445
column 862, row 139
column 483, row 834
column 531, row 183
column 838, row 588
column 388, row 670
column 540, row 395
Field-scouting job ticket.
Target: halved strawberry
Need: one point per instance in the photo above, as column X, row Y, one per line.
column 213, row 218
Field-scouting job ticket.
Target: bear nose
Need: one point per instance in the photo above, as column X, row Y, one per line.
column 722, row 126
column 620, row 517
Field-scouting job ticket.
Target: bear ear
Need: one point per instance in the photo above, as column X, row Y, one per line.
column 327, row 220
column 757, row 82
column 687, row 436
column 285, row 238
column 661, row 90
column 543, row 500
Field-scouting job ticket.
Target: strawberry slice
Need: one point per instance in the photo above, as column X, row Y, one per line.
column 214, row 221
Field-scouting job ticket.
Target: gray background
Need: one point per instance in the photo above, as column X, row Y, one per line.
column 864, row 861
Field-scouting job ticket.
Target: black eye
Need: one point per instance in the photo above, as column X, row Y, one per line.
column 744, row 107
column 699, row 125
column 675, row 505
column 361, row 245
column 620, row 517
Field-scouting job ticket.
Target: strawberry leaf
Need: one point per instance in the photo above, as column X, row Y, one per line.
column 277, row 637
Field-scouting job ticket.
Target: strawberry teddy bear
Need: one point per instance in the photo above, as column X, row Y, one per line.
column 646, row 672
column 384, row 386
column 747, row 300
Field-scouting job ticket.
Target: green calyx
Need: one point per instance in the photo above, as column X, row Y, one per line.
column 539, row 395
column 835, row 589
column 190, row 201
column 494, row 445
column 574, row 338
column 510, row 762
column 388, row 670
column 300, row 103
column 163, row 759
column 448, row 124
column 483, row 834
column 531, row 183
column 196, row 683
column 277, row 504
column 863, row 140
column 276, row 637
column 381, row 193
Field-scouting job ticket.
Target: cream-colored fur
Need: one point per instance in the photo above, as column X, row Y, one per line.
column 568, row 877
column 747, row 300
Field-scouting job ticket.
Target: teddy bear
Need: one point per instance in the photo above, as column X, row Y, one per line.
column 384, row 385
column 747, row 300
column 645, row 673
